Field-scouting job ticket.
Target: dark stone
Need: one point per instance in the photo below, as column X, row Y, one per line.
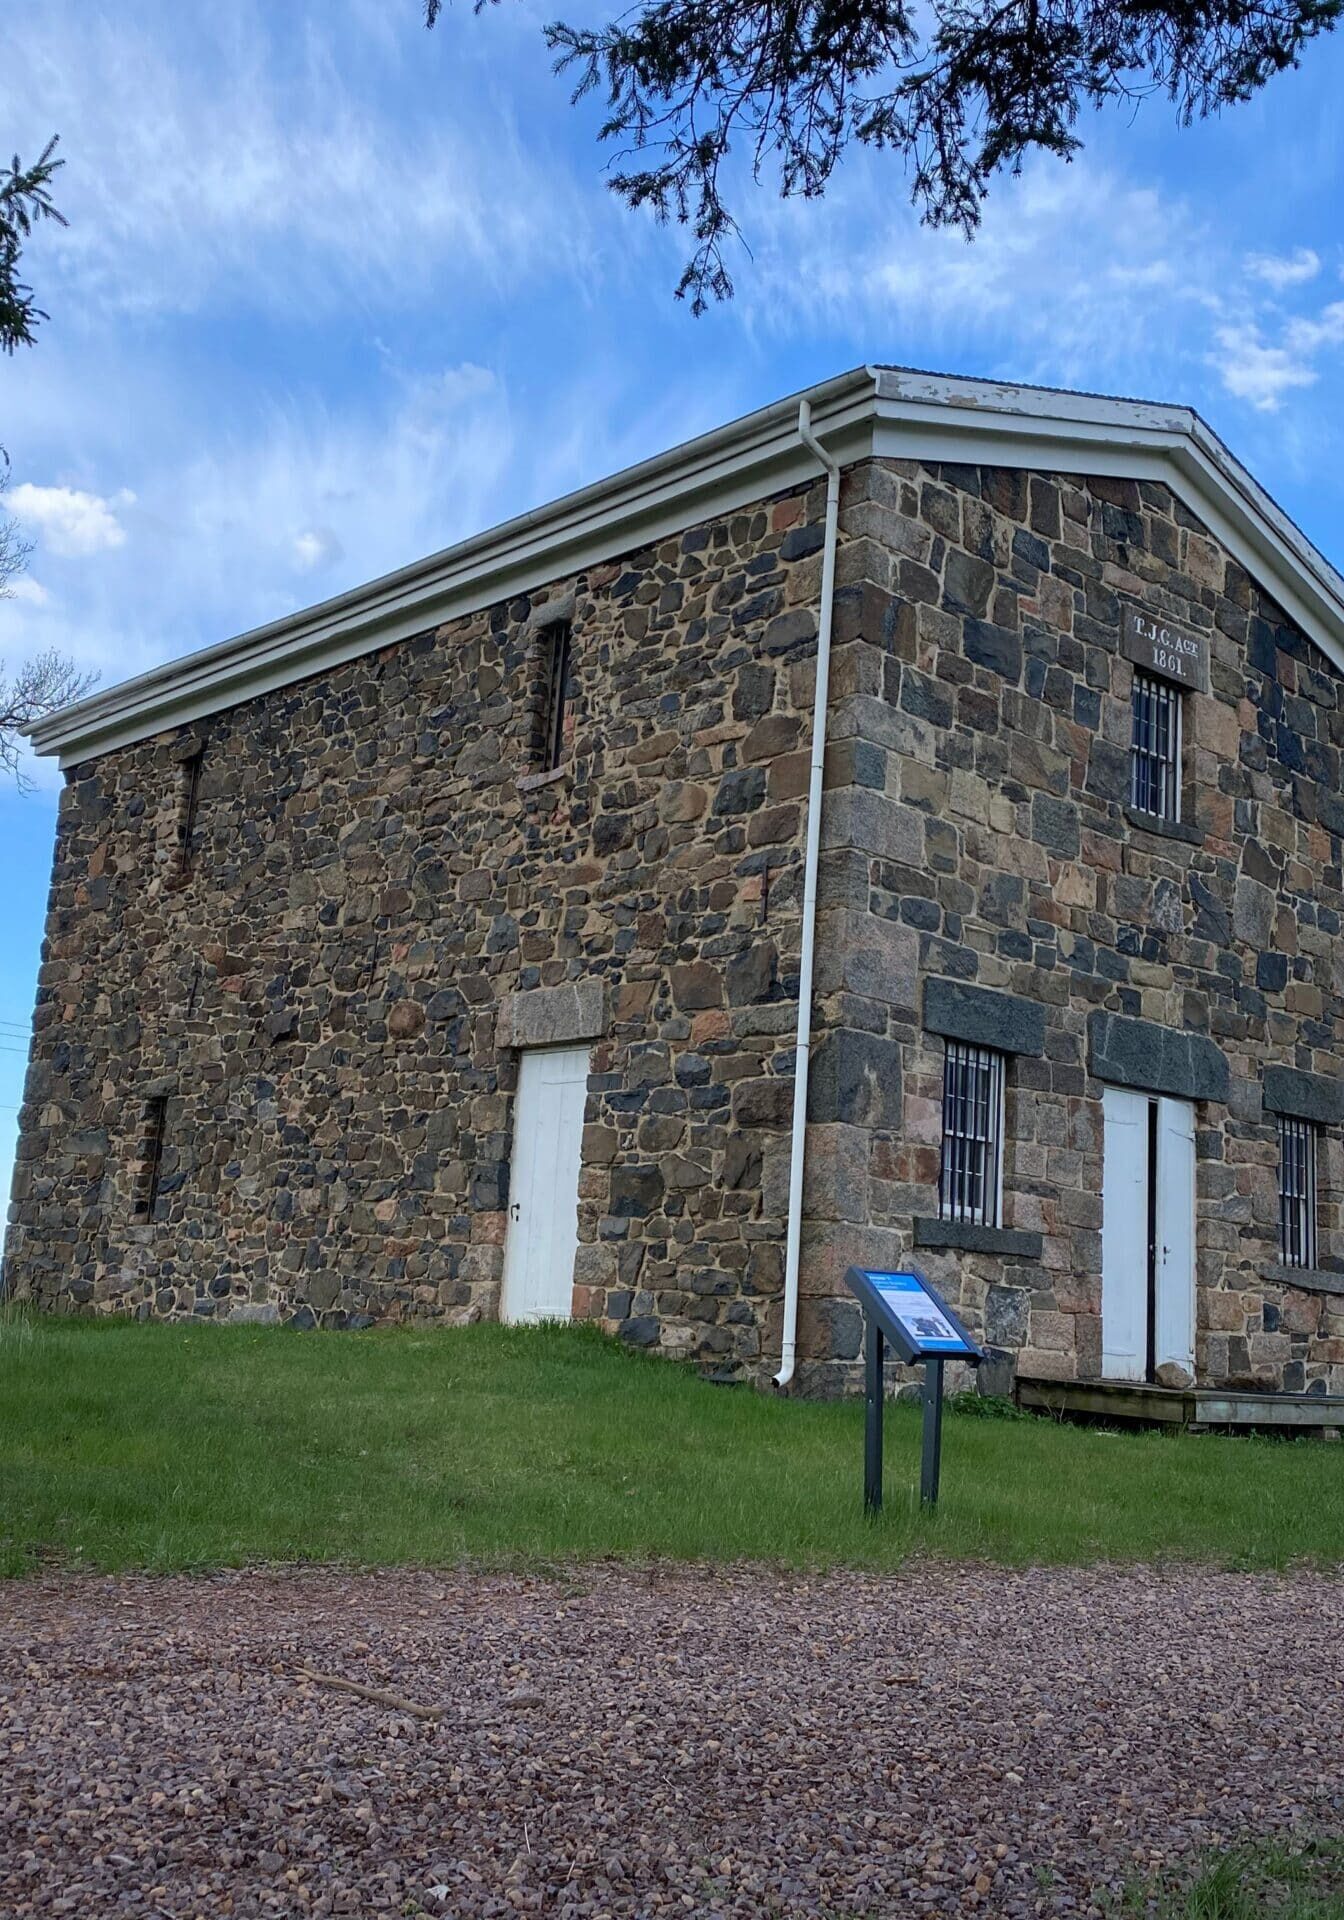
column 767, row 1102
column 995, row 648
column 1139, row 1053
column 1012, row 1242
column 1054, row 823
column 741, row 1162
column 751, row 974
column 490, row 1186
column 642, row 1332
column 985, row 1019
column 967, row 584
column 635, row 1192
column 754, row 693
column 740, row 791
column 798, row 542
column 1307, row 1279
column 1167, row 829
column 855, row 1078
column 1271, row 972
column 1007, row 1312
column 1307, row 1096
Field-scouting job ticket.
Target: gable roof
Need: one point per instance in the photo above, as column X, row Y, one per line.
column 889, row 412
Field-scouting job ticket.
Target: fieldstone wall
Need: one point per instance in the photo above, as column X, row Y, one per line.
column 326, row 986
column 322, row 992
column 978, row 833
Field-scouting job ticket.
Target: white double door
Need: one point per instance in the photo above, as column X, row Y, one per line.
column 543, row 1226
column 1147, row 1234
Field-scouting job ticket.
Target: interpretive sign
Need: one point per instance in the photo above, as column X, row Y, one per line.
column 902, row 1307
column 919, row 1322
column 1171, row 652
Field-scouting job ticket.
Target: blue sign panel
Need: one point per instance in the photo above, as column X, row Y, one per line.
column 911, row 1315
column 925, row 1320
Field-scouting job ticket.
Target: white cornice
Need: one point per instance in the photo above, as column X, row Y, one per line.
column 887, row 411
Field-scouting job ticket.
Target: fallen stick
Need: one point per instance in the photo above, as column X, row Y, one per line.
column 375, row 1694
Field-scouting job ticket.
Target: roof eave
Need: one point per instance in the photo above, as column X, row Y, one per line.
column 760, row 453
column 888, row 411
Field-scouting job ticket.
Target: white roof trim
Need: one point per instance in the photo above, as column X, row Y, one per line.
column 873, row 410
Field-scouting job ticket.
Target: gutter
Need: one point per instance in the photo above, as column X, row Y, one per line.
column 798, row 1141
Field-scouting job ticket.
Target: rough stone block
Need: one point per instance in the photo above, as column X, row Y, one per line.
column 553, row 1016
column 1139, row 1053
column 982, row 1017
column 855, row 1078
column 1318, row 1097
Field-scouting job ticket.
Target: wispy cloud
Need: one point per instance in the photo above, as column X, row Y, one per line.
column 1280, row 270
column 235, row 155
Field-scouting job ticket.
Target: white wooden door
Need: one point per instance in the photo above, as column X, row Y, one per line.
column 1174, row 1317
column 544, row 1184
column 1124, row 1234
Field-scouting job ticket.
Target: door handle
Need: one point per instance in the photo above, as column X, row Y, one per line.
column 515, row 1211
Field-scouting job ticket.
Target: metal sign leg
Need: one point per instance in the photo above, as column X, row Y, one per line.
column 872, row 1432
column 932, row 1459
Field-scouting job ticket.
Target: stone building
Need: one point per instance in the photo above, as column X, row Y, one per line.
column 436, row 952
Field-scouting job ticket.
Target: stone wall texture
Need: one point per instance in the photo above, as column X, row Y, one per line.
column 323, row 997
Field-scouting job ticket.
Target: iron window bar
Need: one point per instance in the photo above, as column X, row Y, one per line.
column 1155, row 753
column 1297, row 1192
column 970, row 1183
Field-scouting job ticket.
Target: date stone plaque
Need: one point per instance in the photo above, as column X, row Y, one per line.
column 1152, row 643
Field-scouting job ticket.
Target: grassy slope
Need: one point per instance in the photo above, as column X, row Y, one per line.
column 177, row 1446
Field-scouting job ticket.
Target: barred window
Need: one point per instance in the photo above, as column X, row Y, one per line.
column 1297, row 1192
column 555, row 707
column 971, row 1182
column 1155, row 752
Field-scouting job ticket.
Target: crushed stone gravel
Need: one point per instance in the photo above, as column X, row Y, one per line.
column 681, row 1741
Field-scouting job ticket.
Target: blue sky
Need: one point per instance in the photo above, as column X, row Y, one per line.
column 336, row 292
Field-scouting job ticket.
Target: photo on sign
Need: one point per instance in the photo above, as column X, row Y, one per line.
column 922, row 1319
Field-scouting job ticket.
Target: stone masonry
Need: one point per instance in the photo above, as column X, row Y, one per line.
column 319, row 999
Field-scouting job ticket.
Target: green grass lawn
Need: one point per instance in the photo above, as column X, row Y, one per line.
column 161, row 1446
column 1269, row 1882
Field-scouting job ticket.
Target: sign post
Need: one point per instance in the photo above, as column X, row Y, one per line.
column 903, row 1308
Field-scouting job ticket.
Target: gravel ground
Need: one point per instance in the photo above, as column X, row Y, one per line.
column 945, row 1740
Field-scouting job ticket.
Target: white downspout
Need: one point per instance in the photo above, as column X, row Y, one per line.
column 798, row 1142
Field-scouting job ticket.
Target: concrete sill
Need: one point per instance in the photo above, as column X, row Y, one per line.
column 1310, row 1279
column 531, row 782
column 1011, row 1241
column 1165, row 829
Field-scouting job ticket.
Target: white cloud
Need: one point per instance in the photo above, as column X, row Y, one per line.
column 1264, row 371
column 1256, row 372
column 315, row 547
column 71, row 522
column 1326, row 330
column 1280, row 270
column 26, row 588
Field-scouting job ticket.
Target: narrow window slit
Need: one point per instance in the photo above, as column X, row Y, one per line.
column 188, row 805
column 555, row 690
column 151, row 1166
